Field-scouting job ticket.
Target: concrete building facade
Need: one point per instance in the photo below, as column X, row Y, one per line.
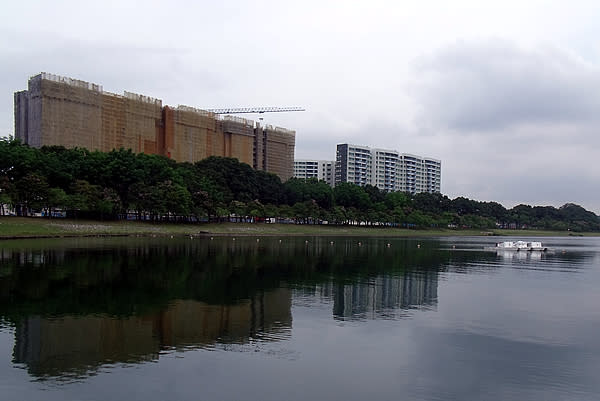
column 388, row 170
column 56, row 110
column 277, row 150
column 420, row 174
column 354, row 164
column 322, row 170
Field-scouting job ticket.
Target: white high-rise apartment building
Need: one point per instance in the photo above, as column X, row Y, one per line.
column 433, row 175
column 353, row 164
column 319, row 169
column 386, row 169
column 419, row 174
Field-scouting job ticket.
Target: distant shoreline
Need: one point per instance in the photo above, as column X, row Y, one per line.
column 33, row 227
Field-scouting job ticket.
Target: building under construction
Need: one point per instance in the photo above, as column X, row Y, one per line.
column 62, row 111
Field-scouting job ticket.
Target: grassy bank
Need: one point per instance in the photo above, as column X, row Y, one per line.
column 21, row 227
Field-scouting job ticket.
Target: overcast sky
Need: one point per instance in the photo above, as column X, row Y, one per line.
column 506, row 93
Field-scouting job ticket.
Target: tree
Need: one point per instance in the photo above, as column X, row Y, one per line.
column 463, row 205
column 57, row 198
column 351, row 195
column 104, row 185
column 109, row 203
column 6, row 193
column 301, row 212
column 418, row 219
column 381, row 213
column 270, row 188
column 32, row 192
column 85, row 199
column 174, row 198
column 398, row 215
column 494, row 210
column 286, row 211
column 396, row 199
column 140, row 198
column 255, row 209
column 578, row 218
column 522, row 215
column 236, row 180
column 121, row 173
column 339, row 215
column 206, row 196
column 301, row 190
column 374, row 193
column 271, row 210
column 435, row 203
column 238, row 209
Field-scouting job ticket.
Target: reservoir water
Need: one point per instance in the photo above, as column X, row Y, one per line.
column 298, row 318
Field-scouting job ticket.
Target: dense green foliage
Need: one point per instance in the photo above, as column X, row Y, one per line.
column 116, row 184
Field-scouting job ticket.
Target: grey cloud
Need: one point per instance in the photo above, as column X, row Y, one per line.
column 513, row 125
column 511, row 171
column 494, row 85
column 154, row 71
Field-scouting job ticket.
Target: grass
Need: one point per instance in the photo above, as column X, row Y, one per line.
column 33, row 227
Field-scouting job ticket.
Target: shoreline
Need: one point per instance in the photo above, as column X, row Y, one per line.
column 37, row 228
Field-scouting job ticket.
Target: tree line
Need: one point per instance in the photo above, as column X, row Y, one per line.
column 122, row 184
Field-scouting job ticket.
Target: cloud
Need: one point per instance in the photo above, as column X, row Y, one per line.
column 495, row 85
column 513, row 124
column 499, row 113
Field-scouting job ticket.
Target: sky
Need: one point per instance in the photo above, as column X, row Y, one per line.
column 505, row 93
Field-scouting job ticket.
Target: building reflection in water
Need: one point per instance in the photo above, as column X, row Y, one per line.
column 77, row 345
column 386, row 296
column 76, row 308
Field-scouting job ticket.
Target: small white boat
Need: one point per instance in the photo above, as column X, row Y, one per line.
column 518, row 246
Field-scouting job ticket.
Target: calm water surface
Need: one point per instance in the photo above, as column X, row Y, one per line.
column 298, row 319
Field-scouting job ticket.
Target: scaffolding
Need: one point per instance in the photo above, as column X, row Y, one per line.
column 70, row 81
column 194, row 133
column 57, row 110
column 278, row 151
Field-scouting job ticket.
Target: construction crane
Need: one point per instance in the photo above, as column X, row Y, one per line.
column 260, row 110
